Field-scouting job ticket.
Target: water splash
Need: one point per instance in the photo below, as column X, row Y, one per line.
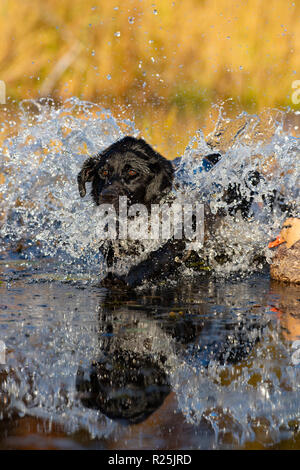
column 43, row 214
column 247, row 144
column 42, row 211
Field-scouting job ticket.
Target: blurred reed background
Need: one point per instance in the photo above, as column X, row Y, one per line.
column 163, row 63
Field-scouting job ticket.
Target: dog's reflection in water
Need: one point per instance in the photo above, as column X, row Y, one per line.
column 126, row 386
column 130, row 377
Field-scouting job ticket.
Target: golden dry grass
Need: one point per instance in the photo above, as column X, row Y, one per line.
column 163, row 63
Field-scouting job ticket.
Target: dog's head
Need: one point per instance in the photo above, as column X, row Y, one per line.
column 129, row 167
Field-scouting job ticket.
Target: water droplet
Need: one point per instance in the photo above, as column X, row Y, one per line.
column 152, row 59
column 131, row 19
column 155, row 11
column 108, row 76
column 93, row 53
column 117, row 34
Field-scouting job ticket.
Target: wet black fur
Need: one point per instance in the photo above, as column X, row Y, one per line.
column 154, row 176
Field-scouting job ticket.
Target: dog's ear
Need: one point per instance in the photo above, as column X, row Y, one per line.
column 86, row 174
column 162, row 181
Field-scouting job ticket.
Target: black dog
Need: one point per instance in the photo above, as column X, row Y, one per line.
column 132, row 168
column 129, row 167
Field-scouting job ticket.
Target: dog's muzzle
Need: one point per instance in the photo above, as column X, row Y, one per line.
column 111, row 194
column 108, row 196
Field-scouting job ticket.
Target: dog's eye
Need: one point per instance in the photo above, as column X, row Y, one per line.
column 132, row 172
column 104, row 172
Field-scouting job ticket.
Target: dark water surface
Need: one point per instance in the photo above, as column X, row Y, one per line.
column 206, row 364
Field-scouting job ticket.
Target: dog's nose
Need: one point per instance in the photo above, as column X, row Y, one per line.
column 108, row 195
